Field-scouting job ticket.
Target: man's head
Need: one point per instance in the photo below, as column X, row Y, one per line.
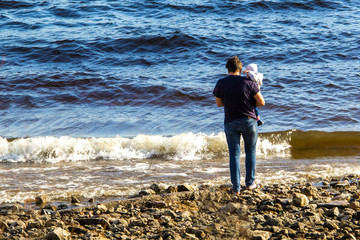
column 234, row 65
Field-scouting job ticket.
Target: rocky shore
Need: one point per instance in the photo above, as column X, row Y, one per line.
column 327, row 209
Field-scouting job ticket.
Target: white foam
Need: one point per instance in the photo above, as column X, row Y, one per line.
column 185, row 146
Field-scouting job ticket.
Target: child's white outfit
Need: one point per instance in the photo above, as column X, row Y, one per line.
column 254, row 74
column 258, row 78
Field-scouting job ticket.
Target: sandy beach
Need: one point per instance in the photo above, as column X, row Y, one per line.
column 326, row 209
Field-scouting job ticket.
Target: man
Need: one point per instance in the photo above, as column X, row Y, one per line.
column 239, row 96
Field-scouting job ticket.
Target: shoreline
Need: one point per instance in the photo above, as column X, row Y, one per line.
column 329, row 209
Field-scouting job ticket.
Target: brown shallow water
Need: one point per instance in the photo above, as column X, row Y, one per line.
column 104, row 179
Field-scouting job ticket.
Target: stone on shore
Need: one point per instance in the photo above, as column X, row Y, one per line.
column 300, row 200
column 58, row 234
column 41, row 199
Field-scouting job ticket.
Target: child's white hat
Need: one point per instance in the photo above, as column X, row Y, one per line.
column 254, row 74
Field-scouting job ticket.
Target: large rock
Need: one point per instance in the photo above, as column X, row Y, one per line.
column 339, row 204
column 158, row 188
column 197, row 232
column 333, row 212
column 58, row 234
column 342, row 197
column 94, row 221
column 74, row 200
column 3, row 226
column 355, row 205
column 172, row 189
column 300, row 200
column 230, row 207
column 54, row 223
column 357, row 215
column 155, row 204
column 147, row 192
column 186, row 188
column 169, row 234
column 331, row 224
column 310, row 191
column 41, row 199
column 19, row 224
column 341, row 184
column 260, row 235
column 273, row 221
column 10, row 208
column 32, row 223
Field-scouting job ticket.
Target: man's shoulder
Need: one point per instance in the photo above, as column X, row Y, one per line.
column 232, row 77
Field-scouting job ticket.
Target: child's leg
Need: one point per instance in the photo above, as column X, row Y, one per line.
column 258, row 117
column 257, row 113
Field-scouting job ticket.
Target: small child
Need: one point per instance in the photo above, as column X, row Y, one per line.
column 252, row 73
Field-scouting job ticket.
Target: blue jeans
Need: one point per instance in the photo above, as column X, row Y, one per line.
column 247, row 128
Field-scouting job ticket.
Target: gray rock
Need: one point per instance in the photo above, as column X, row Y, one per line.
column 101, row 208
column 10, row 208
column 58, row 234
column 333, row 212
column 50, row 207
column 3, row 226
column 310, row 191
column 155, row 204
column 147, row 192
column 260, row 235
column 349, row 236
column 94, row 221
column 158, row 188
column 357, row 215
column 170, row 213
column 339, row 204
column 355, row 205
column 345, row 183
column 171, row 189
column 137, row 222
column 300, row 200
column 32, row 223
column 186, row 188
column 186, row 215
column 18, row 223
column 78, row 230
column 230, row 207
column 74, row 200
column 41, row 199
column 169, row 234
column 269, row 208
column 342, row 197
column 331, row 224
column 273, row 222
column 198, row 233
column 298, row 226
column 54, row 223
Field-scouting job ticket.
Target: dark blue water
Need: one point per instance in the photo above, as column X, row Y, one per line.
column 107, row 68
column 107, row 81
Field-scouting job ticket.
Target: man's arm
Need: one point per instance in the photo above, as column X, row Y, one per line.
column 259, row 100
column 219, row 102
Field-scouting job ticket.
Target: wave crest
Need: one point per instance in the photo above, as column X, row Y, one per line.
column 185, row 146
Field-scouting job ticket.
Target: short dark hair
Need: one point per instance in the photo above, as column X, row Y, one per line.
column 234, row 64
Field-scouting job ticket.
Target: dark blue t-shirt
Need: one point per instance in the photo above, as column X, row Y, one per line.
column 237, row 94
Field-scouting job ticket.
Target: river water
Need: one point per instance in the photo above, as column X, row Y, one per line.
column 103, row 98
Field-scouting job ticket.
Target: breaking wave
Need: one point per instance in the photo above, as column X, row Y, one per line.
column 186, row 146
